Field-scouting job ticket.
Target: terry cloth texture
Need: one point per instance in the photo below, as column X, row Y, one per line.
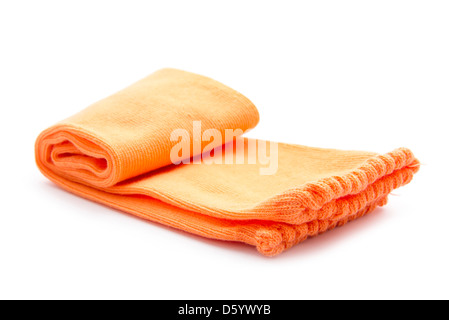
column 117, row 152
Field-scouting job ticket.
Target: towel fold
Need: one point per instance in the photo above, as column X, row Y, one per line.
column 120, row 152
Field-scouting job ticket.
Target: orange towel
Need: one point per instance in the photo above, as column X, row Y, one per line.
column 119, row 152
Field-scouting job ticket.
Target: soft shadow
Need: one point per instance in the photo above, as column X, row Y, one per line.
column 309, row 247
column 333, row 238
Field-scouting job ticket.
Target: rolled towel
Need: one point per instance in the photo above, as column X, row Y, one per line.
column 169, row 149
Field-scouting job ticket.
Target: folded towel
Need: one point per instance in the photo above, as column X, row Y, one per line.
column 134, row 151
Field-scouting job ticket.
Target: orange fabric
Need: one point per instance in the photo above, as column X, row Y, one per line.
column 117, row 152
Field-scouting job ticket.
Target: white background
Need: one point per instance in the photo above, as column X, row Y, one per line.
column 369, row 75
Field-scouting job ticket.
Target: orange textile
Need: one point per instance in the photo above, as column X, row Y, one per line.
column 118, row 152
